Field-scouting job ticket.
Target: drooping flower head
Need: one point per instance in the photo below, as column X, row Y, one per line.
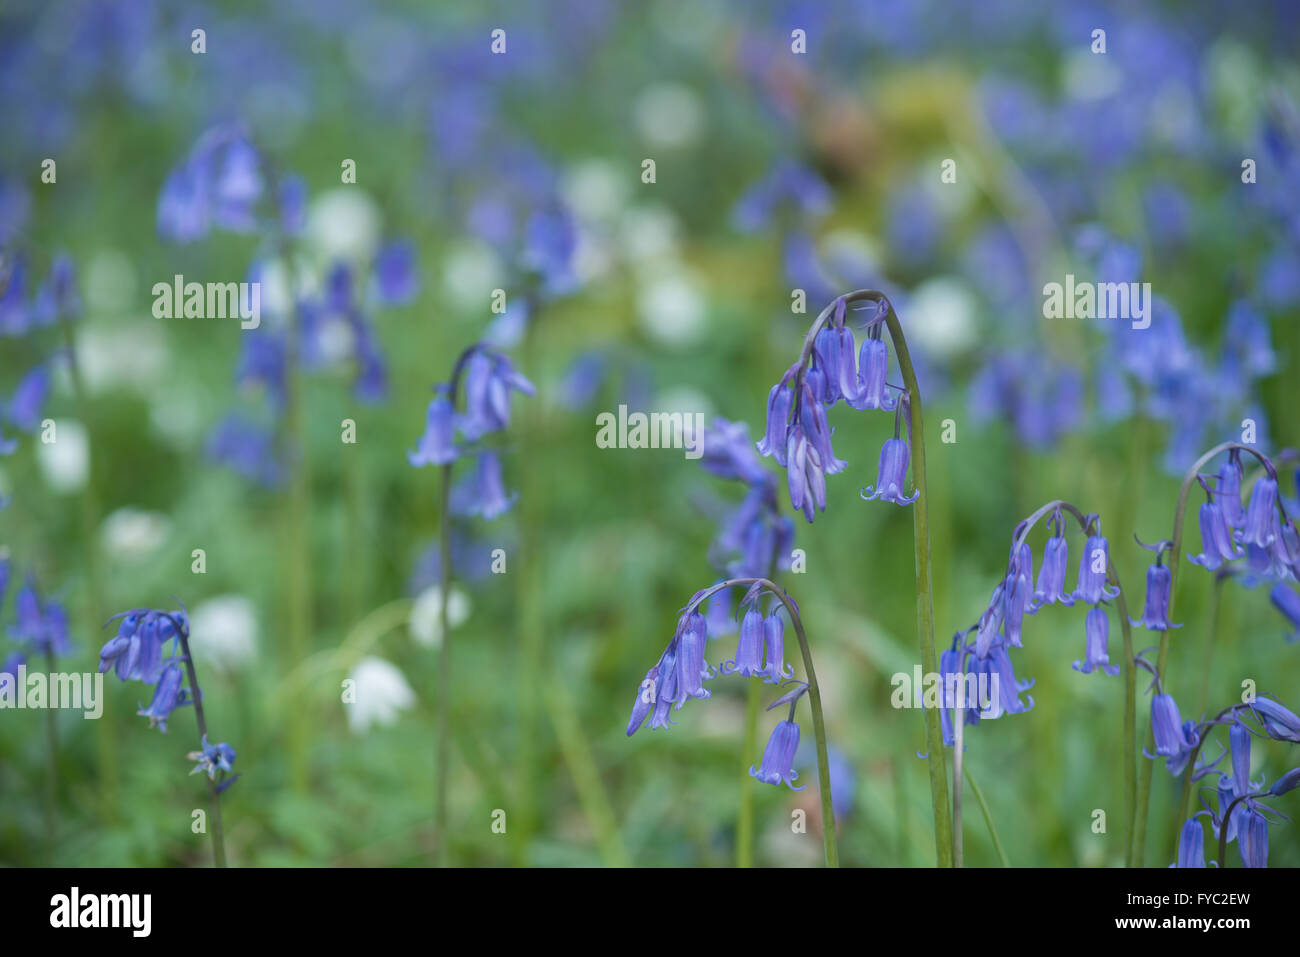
column 778, row 757
column 1097, row 635
column 1175, row 739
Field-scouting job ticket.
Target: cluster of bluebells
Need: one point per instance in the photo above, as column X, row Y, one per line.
column 139, row 652
column 798, row 435
column 983, row 650
column 1238, row 812
column 490, row 379
column 683, row 669
column 754, row 539
column 1257, row 541
column 225, row 183
column 40, row 626
column 23, row 314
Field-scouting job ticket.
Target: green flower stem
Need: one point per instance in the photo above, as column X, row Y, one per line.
column 106, row 745
column 52, row 764
column 814, row 700
column 444, row 665
column 745, row 821
column 959, row 719
column 988, row 818
column 943, row 825
column 218, row 834
column 1175, row 558
column 298, row 543
column 1130, row 719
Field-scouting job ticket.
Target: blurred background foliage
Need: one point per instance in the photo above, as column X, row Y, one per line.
column 1063, row 156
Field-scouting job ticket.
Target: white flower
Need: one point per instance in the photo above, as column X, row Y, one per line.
column 940, row 316
column 669, row 115
column 134, row 533
column 425, row 625
column 223, row 631
column 65, row 462
column 379, row 691
column 672, row 307
column 343, row 224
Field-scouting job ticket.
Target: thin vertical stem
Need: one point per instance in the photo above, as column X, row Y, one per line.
column 106, row 744
column 924, row 597
column 52, row 765
column 988, row 818
column 1130, row 724
column 299, row 592
column 959, row 719
column 218, row 834
column 819, row 732
column 444, row 664
column 745, row 821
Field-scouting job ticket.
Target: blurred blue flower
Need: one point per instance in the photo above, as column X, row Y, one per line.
column 437, row 445
column 482, row 492
column 1286, row 601
column 247, row 449
column 791, row 193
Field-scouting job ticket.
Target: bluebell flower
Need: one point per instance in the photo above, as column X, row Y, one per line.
column 789, row 188
column 396, row 279
column 1051, row 576
column 891, row 475
column 550, row 241
column 728, row 453
column 806, row 474
column 1287, row 782
column 718, row 619
column 1261, row 525
column 483, row 492
column 15, row 314
column 293, row 204
column 692, row 667
column 1191, row 844
column 778, row 757
column 11, row 665
column 264, row 361
column 23, row 410
column 952, row 679
column 41, row 626
column 998, row 665
column 167, row 697
column 489, row 379
column 583, row 380
column 1278, row 721
column 749, row 649
column 218, row 185
column 57, row 298
column 780, row 400
column 664, row 694
column 989, row 629
column 1093, row 566
column 213, row 758
column 1175, row 739
column 1252, row 839
column 1217, row 545
column 1286, row 601
column 1155, row 615
column 1227, row 490
column 1015, row 598
column 774, row 663
column 873, row 369
column 1247, row 342
column 137, row 650
column 247, row 449
column 1097, row 636
column 437, row 444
